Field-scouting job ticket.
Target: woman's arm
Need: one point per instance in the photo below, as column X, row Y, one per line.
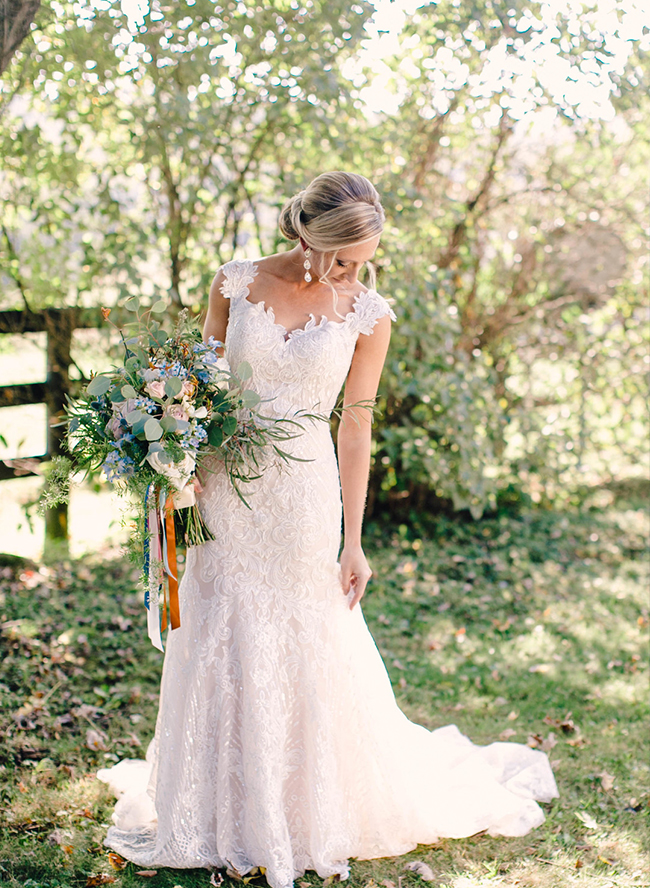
column 216, row 319
column 354, row 452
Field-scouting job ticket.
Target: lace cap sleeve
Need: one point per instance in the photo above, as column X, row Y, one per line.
column 369, row 308
column 238, row 273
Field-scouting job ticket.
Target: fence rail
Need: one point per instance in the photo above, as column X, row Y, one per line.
column 59, row 325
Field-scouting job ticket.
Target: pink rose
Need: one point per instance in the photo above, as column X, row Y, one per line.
column 114, row 427
column 177, row 411
column 156, row 388
column 187, row 391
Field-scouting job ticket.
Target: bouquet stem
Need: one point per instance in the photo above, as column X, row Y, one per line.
column 190, row 526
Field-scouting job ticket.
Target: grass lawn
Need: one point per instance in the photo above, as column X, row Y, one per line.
column 531, row 628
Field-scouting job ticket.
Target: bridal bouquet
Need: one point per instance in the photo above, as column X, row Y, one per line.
column 149, row 423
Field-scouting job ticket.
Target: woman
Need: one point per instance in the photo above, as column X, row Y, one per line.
column 279, row 743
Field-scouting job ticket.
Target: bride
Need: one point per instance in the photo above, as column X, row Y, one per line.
column 278, row 742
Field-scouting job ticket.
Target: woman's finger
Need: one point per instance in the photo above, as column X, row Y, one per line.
column 359, row 587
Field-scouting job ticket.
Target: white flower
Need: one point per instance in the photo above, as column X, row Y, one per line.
column 177, row 473
column 186, row 498
column 199, row 413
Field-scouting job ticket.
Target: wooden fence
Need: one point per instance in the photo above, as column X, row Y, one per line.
column 59, row 325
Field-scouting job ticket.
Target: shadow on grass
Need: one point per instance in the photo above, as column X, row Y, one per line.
column 530, row 627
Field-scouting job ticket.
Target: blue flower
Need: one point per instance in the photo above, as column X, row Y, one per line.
column 118, row 465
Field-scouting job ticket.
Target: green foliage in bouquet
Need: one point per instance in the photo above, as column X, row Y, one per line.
column 149, row 424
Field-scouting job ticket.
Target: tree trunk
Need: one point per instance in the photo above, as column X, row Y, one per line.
column 16, row 17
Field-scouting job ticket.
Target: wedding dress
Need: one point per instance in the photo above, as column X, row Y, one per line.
column 278, row 741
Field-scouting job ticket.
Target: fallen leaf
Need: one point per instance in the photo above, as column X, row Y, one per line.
column 513, row 716
column 59, row 837
column 605, row 860
column 388, row 884
column 331, row 879
column 549, row 743
column 421, row 869
column 147, row 873
column 540, row 667
column 587, row 819
column 117, row 862
column 577, row 742
column 304, row 884
column 579, row 864
column 96, row 739
column 566, row 724
column 534, row 741
column 101, row 879
column 507, row 734
column 216, row 880
column 607, row 781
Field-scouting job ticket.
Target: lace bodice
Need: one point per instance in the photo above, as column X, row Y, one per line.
column 302, row 369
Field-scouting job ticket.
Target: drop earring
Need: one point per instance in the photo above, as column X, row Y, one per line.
column 307, row 264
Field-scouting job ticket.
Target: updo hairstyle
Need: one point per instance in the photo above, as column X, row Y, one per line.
column 336, row 210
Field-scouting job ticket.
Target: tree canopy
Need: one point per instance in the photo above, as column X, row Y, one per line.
column 144, row 144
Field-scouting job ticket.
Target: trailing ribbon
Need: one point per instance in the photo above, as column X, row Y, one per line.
column 171, row 567
column 160, row 564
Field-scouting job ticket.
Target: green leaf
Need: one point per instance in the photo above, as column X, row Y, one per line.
column 229, row 426
column 141, row 355
column 155, row 447
column 132, row 303
column 159, row 307
column 134, row 415
column 173, row 386
column 152, row 429
column 138, row 427
column 98, row 385
column 116, row 396
column 250, row 398
column 215, row 436
column 133, row 363
column 244, row 371
column 128, row 391
column 168, row 424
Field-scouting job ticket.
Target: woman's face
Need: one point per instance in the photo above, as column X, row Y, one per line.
column 349, row 261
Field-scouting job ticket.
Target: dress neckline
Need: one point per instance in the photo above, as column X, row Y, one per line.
column 312, row 324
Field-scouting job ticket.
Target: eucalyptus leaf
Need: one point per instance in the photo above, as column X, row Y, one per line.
column 173, row 386
column 98, row 386
column 215, row 436
column 132, row 304
column 155, row 447
column 116, row 396
column 229, row 426
column 133, row 363
column 244, row 371
column 138, row 427
column 169, row 424
column 159, row 307
column 128, row 391
column 152, row 429
column 134, row 415
column 250, row 398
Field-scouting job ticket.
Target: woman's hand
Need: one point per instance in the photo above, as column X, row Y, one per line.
column 355, row 573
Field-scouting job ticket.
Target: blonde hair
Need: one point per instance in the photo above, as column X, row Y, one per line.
column 336, row 210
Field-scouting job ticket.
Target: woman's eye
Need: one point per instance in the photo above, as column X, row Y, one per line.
column 341, row 264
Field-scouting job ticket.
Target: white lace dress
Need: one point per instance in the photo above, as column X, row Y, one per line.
column 278, row 741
